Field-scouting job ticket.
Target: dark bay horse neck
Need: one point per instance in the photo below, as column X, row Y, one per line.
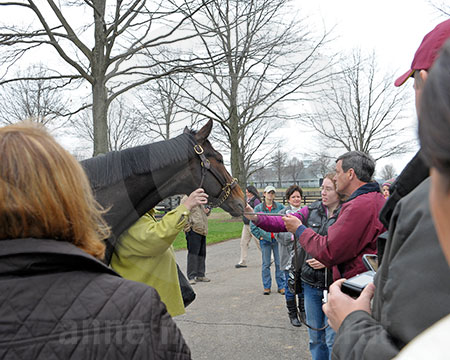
column 131, row 182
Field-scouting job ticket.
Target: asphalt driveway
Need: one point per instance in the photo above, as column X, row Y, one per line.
column 231, row 318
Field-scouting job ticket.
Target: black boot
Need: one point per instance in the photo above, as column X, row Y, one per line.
column 301, row 307
column 292, row 311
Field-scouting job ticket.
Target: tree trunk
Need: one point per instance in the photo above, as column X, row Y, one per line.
column 99, row 116
column 99, row 92
column 244, row 171
column 235, row 157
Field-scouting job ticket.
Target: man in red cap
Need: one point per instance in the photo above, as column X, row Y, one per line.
column 427, row 52
column 412, row 285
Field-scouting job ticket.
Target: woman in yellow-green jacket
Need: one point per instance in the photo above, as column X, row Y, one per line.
column 145, row 254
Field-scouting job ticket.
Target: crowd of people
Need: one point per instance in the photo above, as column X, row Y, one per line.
column 333, row 235
column 68, row 303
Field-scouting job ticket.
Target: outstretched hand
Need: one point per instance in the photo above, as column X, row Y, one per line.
column 250, row 214
column 340, row 305
column 292, row 223
column 197, row 197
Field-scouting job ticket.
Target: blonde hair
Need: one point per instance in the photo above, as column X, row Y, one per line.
column 331, row 176
column 45, row 193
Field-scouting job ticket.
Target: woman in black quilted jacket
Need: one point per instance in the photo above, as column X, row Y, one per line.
column 57, row 299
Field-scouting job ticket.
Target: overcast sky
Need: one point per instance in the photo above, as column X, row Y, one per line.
column 393, row 28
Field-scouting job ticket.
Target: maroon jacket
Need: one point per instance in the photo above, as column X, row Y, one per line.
column 354, row 233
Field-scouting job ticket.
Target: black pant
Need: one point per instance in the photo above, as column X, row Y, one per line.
column 196, row 258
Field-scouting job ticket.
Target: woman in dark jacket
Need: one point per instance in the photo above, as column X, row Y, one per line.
column 293, row 195
column 57, row 299
column 315, row 276
column 318, row 216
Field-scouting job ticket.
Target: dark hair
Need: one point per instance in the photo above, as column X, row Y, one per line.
column 252, row 190
column 434, row 116
column 291, row 189
column 360, row 162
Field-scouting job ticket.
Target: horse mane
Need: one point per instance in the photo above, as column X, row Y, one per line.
column 108, row 169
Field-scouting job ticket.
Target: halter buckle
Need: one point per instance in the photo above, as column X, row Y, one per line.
column 198, row 149
column 205, row 163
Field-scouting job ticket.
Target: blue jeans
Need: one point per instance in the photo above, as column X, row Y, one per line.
column 266, row 249
column 320, row 342
column 288, row 295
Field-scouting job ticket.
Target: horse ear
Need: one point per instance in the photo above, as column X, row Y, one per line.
column 186, row 130
column 204, row 132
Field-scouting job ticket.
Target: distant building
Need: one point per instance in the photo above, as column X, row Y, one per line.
column 307, row 177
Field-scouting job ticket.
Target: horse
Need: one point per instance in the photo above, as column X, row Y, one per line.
column 130, row 182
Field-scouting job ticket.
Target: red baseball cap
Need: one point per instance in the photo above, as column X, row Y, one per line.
column 428, row 50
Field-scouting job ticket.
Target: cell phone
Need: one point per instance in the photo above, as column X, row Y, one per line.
column 355, row 285
column 370, row 262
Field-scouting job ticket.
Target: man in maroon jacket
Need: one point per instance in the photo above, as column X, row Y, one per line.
column 356, row 230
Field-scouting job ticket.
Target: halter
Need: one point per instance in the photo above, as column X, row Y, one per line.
column 227, row 187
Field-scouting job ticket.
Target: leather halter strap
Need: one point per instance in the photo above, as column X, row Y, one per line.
column 227, row 187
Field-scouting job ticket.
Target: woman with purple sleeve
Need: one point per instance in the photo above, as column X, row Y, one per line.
column 315, row 277
column 276, row 223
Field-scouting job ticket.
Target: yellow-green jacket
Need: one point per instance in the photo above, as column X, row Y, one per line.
column 144, row 253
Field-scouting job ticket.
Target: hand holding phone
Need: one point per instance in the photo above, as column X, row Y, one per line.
column 339, row 306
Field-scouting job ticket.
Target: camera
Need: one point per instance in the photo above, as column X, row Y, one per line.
column 355, row 285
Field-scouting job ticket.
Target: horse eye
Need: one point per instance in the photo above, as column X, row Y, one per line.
column 219, row 159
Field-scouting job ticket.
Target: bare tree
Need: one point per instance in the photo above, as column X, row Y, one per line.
column 361, row 110
column 160, row 106
column 260, row 175
column 387, row 172
column 257, row 145
column 441, row 6
column 124, row 126
column 322, row 164
column 103, row 43
column 278, row 161
column 39, row 100
column 271, row 59
column 294, row 168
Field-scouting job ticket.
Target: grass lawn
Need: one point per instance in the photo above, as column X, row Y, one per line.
column 221, row 227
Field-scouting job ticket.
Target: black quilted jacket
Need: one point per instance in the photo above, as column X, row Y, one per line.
column 57, row 302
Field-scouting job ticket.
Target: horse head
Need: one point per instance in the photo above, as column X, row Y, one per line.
column 131, row 182
column 213, row 177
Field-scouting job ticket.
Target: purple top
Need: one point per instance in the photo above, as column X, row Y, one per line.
column 276, row 223
column 256, row 201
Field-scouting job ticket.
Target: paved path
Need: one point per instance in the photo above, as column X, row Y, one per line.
column 231, row 318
